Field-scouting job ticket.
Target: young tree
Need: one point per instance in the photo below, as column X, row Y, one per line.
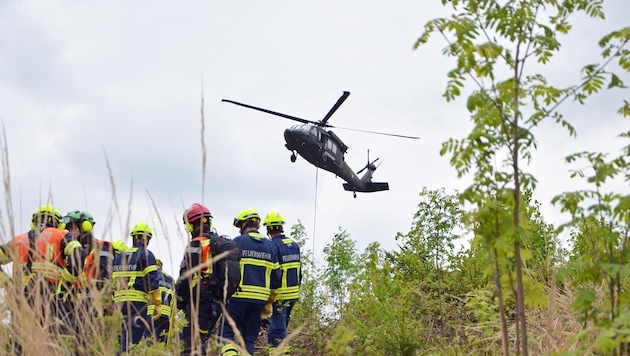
column 489, row 38
column 425, row 250
column 342, row 267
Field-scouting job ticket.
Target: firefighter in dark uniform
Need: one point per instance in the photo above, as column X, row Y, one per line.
column 135, row 276
column 260, row 276
column 193, row 291
column 279, row 308
column 162, row 325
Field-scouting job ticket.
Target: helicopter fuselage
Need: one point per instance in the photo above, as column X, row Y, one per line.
column 323, row 148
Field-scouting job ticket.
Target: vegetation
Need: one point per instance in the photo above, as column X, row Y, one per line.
column 510, row 287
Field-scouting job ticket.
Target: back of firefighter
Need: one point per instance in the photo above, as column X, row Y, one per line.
column 136, row 285
column 57, row 265
column 161, row 325
column 20, row 250
column 279, row 308
column 193, row 290
column 260, row 275
column 90, row 299
column 99, row 254
column 17, row 251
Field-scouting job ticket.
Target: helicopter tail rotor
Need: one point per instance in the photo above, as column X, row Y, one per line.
column 369, row 165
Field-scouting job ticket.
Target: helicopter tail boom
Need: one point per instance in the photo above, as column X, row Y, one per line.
column 368, row 187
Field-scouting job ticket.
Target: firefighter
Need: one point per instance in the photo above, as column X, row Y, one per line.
column 57, row 265
column 100, row 254
column 91, row 299
column 161, row 325
column 192, row 288
column 20, row 251
column 119, row 246
column 279, row 306
column 136, row 283
column 260, row 275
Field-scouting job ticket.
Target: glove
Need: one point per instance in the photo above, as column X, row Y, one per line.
column 156, row 300
column 272, row 297
column 157, row 311
column 267, row 311
column 62, row 297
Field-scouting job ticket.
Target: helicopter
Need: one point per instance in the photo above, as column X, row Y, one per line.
column 324, row 149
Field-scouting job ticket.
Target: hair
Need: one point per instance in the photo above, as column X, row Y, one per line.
column 275, row 228
column 200, row 228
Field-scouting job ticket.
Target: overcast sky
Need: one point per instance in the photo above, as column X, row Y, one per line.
column 84, row 85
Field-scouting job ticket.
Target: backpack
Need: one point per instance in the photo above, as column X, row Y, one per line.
column 227, row 270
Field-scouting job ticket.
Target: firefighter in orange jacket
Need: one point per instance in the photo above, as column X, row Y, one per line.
column 57, row 264
column 19, row 250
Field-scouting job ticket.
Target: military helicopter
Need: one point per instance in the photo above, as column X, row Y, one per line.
column 324, row 149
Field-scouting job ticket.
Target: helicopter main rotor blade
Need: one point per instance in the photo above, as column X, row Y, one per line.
column 374, row 132
column 272, row 112
column 340, row 101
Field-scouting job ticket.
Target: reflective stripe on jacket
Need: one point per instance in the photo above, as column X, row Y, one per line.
column 291, row 267
column 135, row 275
column 260, row 271
column 167, row 292
column 51, row 260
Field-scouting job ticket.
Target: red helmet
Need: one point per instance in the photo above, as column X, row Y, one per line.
column 196, row 212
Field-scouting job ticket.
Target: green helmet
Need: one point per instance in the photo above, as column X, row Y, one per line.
column 248, row 214
column 83, row 219
column 273, row 218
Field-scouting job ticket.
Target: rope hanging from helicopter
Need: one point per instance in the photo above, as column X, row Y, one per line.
column 315, row 211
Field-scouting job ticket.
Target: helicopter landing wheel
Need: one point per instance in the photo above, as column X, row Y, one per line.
column 293, row 157
column 354, row 194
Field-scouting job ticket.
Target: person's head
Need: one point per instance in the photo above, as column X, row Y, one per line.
column 119, row 246
column 141, row 234
column 274, row 222
column 45, row 216
column 158, row 263
column 197, row 219
column 247, row 220
column 79, row 224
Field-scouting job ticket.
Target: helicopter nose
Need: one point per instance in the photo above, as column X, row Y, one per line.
column 289, row 136
column 292, row 138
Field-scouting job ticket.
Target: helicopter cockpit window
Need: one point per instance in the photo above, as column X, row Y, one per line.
column 331, row 146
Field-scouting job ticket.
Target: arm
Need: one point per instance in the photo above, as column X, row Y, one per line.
column 105, row 264
column 74, row 255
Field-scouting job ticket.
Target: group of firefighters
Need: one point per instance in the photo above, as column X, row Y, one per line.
column 226, row 287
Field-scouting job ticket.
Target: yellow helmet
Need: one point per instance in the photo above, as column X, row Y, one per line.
column 119, row 246
column 273, row 218
column 47, row 216
column 248, row 214
column 142, row 229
